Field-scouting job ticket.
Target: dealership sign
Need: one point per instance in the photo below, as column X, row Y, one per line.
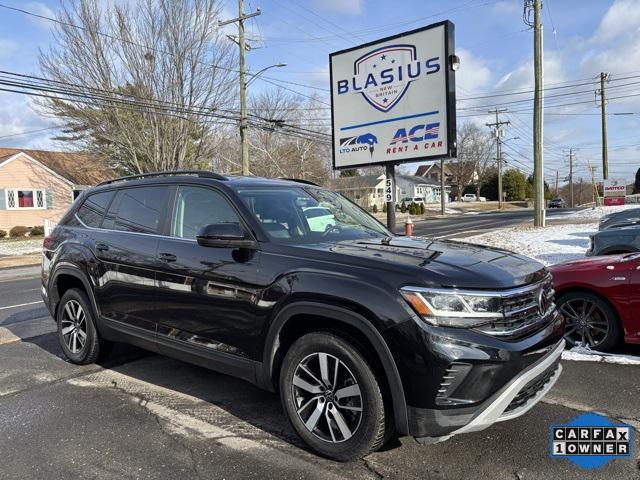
column 614, row 192
column 393, row 100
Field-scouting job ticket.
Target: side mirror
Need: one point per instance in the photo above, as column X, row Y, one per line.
column 224, row 235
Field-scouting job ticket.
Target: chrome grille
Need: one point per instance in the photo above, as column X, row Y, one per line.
column 523, row 312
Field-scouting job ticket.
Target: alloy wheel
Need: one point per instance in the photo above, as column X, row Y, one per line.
column 327, row 397
column 74, row 326
column 586, row 324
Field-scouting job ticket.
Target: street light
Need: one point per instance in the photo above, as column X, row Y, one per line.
column 244, row 123
column 257, row 74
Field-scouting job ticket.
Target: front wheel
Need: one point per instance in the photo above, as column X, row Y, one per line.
column 332, row 397
column 589, row 321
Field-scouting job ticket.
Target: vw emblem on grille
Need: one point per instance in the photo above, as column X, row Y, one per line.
column 543, row 302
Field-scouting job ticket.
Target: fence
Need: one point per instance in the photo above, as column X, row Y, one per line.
column 49, row 225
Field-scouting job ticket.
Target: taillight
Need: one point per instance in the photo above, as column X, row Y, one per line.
column 48, row 242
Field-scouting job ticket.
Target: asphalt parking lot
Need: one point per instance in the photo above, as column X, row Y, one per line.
column 139, row 415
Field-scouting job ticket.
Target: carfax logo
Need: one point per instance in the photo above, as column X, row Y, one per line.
column 590, row 441
column 383, row 75
column 358, row 143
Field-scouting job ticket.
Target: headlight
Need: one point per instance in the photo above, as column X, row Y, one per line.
column 451, row 308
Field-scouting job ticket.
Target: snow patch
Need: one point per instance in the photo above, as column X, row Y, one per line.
column 583, row 354
column 550, row 245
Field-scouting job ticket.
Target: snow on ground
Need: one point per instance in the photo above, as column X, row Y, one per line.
column 20, row 247
column 582, row 354
column 550, row 245
column 597, row 212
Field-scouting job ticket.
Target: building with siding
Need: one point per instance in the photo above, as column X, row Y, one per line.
column 38, row 185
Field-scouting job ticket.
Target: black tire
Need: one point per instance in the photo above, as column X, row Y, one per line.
column 81, row 351
column 586, row 330
column 340, row 414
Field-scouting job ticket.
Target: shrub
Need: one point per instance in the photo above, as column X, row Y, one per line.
column 3, row 233
column 412, row 209
column 403, row 207
column 384, row 207
column 422, row 209
column 18, row 231
column 37, row 231
column 375, row 208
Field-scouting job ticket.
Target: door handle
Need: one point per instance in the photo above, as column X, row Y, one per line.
column 168, row 257
column 102, row 247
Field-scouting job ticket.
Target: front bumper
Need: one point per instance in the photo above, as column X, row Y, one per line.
column 514, row 399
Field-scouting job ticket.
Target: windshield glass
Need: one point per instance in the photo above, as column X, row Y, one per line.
column 309, row 215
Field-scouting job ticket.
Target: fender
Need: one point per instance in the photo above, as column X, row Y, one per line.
column 76, row 272
column 264, row 377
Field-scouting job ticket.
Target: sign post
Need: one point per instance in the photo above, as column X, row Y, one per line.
column 393, row 101
column 390, row 194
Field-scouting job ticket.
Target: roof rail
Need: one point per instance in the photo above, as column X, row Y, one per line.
column 197, row 173
column 299, row 180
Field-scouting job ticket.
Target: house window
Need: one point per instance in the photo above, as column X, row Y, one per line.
column 18, row 199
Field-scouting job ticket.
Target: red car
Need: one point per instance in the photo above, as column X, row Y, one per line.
column 600, row 300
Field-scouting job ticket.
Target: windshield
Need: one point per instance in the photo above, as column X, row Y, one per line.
column 309, row 215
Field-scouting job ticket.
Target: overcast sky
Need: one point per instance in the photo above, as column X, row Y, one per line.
column 582, row 38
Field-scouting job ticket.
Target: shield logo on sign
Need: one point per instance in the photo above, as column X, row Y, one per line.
column 376, row 68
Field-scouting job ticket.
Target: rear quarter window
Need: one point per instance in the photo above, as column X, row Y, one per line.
column 93, row 209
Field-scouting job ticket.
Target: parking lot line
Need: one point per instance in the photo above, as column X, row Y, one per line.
column 20, row 305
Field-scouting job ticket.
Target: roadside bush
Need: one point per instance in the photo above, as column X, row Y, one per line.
column 412, row 209
column 3, row 233
column 403, row 207
column 37, row 231
column 384, row 207
column 375, row 208
column 18, row 231
column 422, row 209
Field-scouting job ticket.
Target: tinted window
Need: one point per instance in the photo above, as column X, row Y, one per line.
column 93, row 208
column 196, row 207
column 138, row 209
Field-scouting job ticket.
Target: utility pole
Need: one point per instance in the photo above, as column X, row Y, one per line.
column 538, row 165
column 557, row 174
column 499, row 133
column 603, row 107
column 594, row 186
column 571, row 177
column 244, row 123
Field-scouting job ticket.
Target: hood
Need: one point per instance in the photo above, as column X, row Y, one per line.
column 589, row 263
column 444, row 263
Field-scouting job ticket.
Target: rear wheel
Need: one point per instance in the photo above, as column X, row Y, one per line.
column 332, row 397
column 77, row 331
column 589, row 321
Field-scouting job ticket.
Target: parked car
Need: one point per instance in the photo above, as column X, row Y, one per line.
column 409, row 200
column 615, row 240
column 599, row 298
column 623, row 218
column 472, row 197
column 557, row 203
column 364, row 334
column 319, row 218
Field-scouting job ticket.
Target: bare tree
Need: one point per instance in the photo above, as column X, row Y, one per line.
column 475, row 156
column 290, row 146
column 168, row 54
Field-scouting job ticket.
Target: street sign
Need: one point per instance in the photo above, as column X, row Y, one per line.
column 393, row 100
column 388, row 190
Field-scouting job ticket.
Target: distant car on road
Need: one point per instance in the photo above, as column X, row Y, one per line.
column 612, row 241
column 409, row 200
column 620, row 219
column 472, row 197
column 319, row 218
column 557, row 203
column 599, row 300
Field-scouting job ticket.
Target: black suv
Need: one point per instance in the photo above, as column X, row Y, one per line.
column 292, row 287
